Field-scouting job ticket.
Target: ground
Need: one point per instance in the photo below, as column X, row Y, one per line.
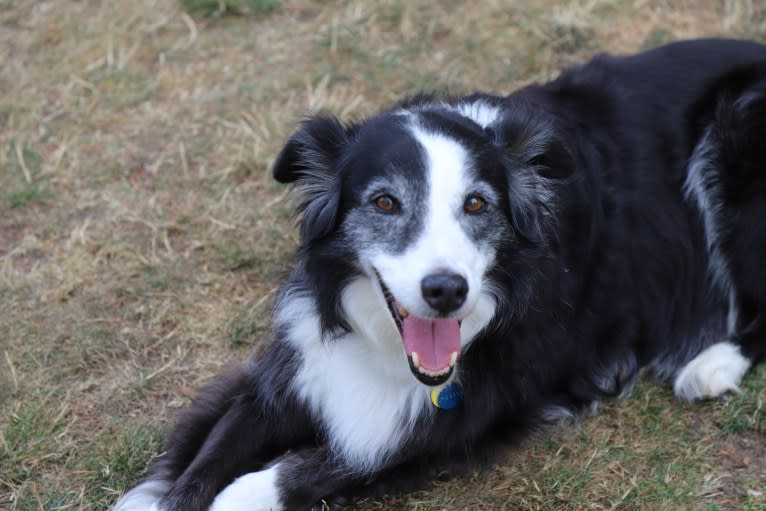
column 142, row 238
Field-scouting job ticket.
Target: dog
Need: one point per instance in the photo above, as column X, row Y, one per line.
column 472, row 267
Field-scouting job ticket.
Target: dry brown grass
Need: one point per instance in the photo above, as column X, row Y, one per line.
column 141, row 238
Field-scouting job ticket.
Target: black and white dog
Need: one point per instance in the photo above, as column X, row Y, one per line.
column 471, row 266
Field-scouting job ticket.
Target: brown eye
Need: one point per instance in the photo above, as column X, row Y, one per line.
column 474, row 204
column 385, row 203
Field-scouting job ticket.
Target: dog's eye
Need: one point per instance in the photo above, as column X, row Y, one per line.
column 474, row 204
column 385, row 203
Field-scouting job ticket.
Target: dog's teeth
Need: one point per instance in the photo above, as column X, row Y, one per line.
column 415, row 359
column 402, row 311
column 434, row 374
column 453, row 358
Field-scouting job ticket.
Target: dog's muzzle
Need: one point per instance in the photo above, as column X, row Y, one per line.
column 432, row 345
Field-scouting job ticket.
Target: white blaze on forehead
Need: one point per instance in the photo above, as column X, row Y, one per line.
column 446, row 167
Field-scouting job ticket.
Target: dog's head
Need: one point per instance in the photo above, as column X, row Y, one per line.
column 408, row 217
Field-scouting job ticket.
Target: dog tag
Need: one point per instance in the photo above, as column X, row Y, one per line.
column 448, row 396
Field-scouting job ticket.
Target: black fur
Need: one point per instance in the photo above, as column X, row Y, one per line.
column 608, row 273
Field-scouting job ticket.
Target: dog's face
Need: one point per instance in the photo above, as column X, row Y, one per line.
column 427, row 225
column 426, row 199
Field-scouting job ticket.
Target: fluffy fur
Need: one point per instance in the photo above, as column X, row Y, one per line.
column 540, row 249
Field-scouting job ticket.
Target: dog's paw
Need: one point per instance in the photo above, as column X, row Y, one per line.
column 713, row 372
column 256, row 491
column 145, row 496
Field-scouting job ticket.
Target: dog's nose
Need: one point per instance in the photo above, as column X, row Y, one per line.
column 444, row 291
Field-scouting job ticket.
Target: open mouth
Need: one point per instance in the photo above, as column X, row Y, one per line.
column 432, row 345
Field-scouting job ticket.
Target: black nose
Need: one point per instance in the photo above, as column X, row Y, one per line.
column 445, row 292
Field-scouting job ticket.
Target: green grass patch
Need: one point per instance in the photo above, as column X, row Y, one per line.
column 125, row 88
column 216, row 8
column 247, row 328
column 655, row 38
column 745, row 412
column 161, row 277
column 107, row 464
column 20, row 169
column 119, row 457
column 234, row 256
column 25, row 440
column 24, row 196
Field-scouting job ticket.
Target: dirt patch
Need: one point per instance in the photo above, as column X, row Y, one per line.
column 741, row 471
column 12, row 231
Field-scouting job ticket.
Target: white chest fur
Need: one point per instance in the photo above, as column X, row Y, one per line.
column 361, row 388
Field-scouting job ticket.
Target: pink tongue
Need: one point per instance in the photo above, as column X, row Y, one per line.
column 434, row 340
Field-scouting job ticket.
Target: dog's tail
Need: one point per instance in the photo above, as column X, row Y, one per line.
column 188, row 437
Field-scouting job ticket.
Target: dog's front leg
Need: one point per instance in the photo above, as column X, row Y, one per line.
column 260, row 421
column 298, row 480
column 240, row 441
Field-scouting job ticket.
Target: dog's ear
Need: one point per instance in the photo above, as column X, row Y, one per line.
column 536, row 158
column 312, row 150
column 310, row 159
column 535, row 144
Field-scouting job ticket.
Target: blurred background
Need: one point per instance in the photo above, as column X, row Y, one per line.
column 142, row 238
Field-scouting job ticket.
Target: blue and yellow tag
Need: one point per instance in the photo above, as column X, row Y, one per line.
column 447, row 396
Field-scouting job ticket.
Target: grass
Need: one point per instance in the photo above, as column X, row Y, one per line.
column 142, row 238
column 214, row 8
